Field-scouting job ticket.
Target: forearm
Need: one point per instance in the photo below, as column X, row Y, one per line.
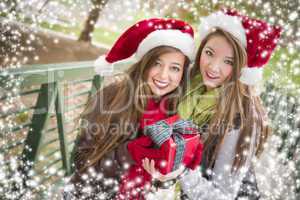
column 197, row 187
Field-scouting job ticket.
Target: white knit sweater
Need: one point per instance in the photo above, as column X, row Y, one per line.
column 224, row 184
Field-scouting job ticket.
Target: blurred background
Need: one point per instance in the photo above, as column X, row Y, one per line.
column 46, row 35
column 52, row 31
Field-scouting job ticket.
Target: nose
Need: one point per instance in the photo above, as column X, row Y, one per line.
column 164, row 73
column 214, row 66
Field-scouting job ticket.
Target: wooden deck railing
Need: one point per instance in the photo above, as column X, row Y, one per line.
column 44, row 124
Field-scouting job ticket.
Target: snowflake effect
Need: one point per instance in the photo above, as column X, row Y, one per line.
column 278, row 171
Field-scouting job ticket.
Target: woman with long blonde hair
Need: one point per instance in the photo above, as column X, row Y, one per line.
column 222, row 100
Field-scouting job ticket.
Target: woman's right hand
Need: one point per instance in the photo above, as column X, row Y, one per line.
column 149, row 166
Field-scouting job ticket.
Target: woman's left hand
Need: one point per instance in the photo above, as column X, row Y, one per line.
column 149, row 166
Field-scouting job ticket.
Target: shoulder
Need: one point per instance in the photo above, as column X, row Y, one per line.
column 111, row 84
column 108, row 90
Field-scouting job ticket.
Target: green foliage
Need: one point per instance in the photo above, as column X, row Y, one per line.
column 75, row 30
column 105, row 36
column 22, row 117
column 283, row 65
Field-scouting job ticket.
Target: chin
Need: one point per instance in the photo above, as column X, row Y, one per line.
column 210, row 84
column 158, row 93
column 161, row 93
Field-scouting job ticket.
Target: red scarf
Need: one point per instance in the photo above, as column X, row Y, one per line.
column 136, row 178
column 155, row 111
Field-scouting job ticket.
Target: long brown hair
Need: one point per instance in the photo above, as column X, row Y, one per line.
column 237, row 107
column 124, row 101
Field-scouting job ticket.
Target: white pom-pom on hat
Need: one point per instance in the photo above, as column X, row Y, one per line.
column 251, row 76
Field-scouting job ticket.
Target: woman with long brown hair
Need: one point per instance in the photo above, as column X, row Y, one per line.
column 238, row 128
column 223, row 102
column 147, row 92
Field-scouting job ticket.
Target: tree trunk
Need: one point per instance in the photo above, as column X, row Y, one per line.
column 11, row 7
column 89, row 25
column 43, row 6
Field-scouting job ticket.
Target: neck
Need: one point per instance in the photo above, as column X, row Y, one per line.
column 208, row 88
column 156, row 98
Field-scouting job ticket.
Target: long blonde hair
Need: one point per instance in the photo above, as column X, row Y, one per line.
column 237, row 107
column 130, row 87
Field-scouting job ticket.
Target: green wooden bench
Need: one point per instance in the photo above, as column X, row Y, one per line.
column 41, row 133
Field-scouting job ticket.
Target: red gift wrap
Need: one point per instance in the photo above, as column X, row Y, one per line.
column 164, row 156
column 162, row 149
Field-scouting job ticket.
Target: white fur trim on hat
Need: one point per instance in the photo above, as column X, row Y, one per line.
column 251, row 76
column 228, row 23
column 174, row 38
column 102, row 67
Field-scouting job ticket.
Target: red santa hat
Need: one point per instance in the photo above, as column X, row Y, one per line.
column 258, row 37
column 144, row 36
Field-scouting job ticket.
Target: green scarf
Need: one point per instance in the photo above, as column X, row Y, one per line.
column 198, row 104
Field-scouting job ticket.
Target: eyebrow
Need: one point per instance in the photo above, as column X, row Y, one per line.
column 210, row 48
column 231, row 58
column 174, row 63
column 214, row 51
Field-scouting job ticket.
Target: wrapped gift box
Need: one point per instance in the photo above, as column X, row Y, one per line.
column 165, row 153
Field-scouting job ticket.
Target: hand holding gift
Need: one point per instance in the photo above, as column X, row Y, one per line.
column 169, row 143
column 149, row 166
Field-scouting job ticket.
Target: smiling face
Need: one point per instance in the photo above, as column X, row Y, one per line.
column 216, row 61
column 166, row 73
